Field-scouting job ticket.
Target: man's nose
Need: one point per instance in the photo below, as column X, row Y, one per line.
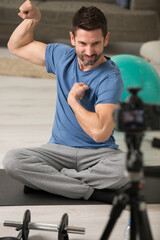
column 89, row 50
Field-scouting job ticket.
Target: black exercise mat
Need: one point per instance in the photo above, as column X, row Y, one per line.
column 11, row 193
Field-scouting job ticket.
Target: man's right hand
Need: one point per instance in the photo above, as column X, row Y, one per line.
column 29, row 11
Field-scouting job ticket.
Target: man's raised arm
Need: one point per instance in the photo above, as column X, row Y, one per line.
column 21, row 42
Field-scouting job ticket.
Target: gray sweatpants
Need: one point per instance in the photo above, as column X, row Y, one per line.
column 67, row 171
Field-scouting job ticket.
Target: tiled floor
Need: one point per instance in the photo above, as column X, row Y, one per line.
column 27, row 108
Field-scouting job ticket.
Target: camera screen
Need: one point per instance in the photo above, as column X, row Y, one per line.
column 133, row 119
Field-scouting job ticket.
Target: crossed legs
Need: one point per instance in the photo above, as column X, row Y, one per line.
column 67, row 171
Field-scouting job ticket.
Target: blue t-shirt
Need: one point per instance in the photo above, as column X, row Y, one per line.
column 105, row 86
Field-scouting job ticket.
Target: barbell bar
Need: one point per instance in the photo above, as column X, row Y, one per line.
column 45, row 227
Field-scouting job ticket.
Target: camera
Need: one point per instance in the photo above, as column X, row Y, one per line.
column 134, row 115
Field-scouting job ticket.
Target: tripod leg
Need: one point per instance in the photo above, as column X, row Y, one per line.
column 119, row 204
column 144, row 227
column 134, row 222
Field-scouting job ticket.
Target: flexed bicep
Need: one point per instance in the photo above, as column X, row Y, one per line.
column 21, row 42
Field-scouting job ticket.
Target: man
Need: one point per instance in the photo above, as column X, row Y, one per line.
column 81, row 159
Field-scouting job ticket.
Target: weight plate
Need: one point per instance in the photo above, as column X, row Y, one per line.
column 25, row 225
column 62, row 233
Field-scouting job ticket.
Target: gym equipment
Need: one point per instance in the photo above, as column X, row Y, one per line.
column 24, row 227
column 137, row 72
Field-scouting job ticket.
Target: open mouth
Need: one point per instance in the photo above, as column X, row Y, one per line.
column 89, row 58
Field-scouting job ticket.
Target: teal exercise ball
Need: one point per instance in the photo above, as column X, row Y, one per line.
column 137, row 72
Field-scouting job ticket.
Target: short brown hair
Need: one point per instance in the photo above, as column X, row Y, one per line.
column 89, row 18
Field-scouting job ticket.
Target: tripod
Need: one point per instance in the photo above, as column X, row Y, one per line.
column 132, row 194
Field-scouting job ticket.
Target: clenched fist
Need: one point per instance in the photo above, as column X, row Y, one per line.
column 77, row 92
column 29, row 11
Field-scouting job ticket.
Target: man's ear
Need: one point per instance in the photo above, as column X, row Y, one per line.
column 106, row 40
column 72, row 38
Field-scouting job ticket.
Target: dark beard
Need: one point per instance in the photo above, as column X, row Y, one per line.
column 91, row 62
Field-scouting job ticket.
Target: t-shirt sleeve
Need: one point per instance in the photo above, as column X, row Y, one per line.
column 49, row 58
column 55, row 55
column 54, row 52
column 110, row 89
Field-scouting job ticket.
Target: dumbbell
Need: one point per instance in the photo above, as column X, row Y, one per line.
column 24, row 227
